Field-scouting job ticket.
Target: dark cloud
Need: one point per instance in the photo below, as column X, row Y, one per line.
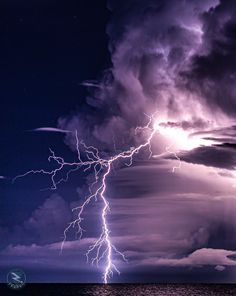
column 185, row 125
column 149, row 178
column 213, row 71
column 221, row 156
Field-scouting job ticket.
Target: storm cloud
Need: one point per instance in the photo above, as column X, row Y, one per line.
column 156, row 49
column 174, row 208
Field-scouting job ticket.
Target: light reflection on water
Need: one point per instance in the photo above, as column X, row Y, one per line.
column 121, row 290
column 149, row 290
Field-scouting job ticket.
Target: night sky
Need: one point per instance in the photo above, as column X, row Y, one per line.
column 102, row 68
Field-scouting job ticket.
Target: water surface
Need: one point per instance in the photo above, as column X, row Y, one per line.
column 122, row 290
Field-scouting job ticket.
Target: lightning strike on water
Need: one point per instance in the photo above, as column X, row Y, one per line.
column 103, row 247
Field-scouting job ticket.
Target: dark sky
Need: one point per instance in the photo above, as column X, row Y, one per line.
column 102, row 68
column 47, row 50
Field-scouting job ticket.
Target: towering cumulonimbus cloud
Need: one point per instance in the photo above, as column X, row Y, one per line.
column 174, row 59
column 163, row 59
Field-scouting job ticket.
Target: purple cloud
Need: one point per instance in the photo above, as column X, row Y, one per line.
column 152, row 44
column 198, row 258
column 45, row 224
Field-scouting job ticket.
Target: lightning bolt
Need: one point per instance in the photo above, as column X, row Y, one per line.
column 88, row 158
column 16, row 277
column 176, row 156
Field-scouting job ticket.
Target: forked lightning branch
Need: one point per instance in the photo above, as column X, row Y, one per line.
column 89, row 159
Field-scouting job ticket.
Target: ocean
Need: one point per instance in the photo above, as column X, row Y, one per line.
column 121, row 290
